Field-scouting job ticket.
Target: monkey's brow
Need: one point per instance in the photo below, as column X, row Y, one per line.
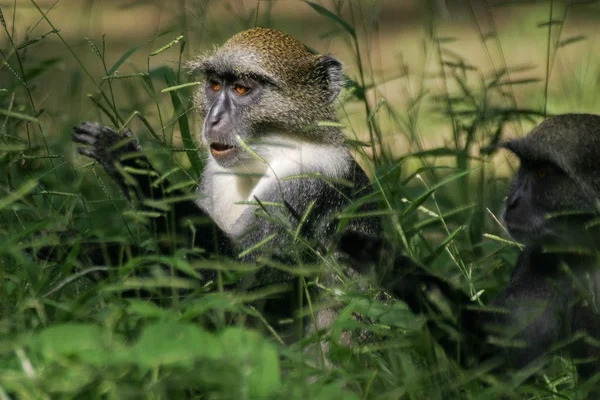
column 236, row 74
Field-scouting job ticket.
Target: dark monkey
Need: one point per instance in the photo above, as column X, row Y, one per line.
column 264, row 98
column 553, row 294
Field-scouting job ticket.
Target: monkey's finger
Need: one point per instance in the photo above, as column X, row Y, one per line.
column 89, row 128
column 83, row 138
column 127, row 132
column 133, row 143
column 84, row 151
column 108, row 132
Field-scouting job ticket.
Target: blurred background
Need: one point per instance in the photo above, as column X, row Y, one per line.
column 516, row 41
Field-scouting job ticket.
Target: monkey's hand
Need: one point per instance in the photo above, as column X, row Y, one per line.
column 116, row 152
column 121, row 156
column 105, row 145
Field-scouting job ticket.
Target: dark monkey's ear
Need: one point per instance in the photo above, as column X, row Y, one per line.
column 516, row 146
column 508, row 145
column 334, row 80
column 492, row 148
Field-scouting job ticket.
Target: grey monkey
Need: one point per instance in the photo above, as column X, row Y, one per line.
column 267, row 91
column 274, row 166
column 553, row 293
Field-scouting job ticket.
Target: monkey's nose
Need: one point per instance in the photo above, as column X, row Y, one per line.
column 512, row 202
column 215, row 121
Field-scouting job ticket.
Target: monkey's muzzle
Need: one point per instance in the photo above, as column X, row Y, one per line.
column 219, row 150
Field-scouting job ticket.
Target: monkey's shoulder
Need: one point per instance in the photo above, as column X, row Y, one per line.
column 323, row 203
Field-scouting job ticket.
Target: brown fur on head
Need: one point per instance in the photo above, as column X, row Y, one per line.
column 300, row 86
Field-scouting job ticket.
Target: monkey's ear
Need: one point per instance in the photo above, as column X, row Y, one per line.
column 487, row 150
column 514, row 146
column 201, row 64
column 334, row 76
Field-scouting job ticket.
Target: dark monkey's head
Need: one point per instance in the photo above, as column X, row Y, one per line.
column 263, row 83
column 556, row 192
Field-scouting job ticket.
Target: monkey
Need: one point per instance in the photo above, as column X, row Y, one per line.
column 277, row 159
column 551, row 300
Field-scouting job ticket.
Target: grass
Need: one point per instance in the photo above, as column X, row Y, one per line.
column 66, row 334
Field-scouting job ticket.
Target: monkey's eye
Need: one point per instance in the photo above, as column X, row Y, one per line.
column 241, row 89
column 215, row 85
column 544, row 171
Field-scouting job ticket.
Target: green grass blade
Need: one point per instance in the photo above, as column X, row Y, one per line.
column 331, row 16
column 184, row 127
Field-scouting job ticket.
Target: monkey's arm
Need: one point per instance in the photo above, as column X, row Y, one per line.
column 122, row 158
column 536, row 308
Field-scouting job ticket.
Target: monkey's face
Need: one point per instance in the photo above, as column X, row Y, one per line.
column 242, row 111
column 227, row 102
column 263, row 84
column 546, row 205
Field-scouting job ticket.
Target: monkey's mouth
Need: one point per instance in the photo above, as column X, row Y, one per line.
column 221, row 149
column 526, row 234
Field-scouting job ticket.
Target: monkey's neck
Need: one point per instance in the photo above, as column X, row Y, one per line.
column 555, row 263
column 225, row 190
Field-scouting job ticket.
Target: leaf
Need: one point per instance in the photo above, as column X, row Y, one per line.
column 183, row 85
column 398, row 315
column 41, row 68
column 93, row 46
column 551, row 22
column 18, row 115
column 146, row 309
column 330, row 391
column 257, row 360
column 517, row 82
column 176, row 343
column 572, row 39
column 444, row 216
column 8, row 66
column 439, row 152
column 116, row 75
column 212, row 302
column 18, row 194
column 150, row 283
column 257, row 245
column 422, row 170
column 167, row 46
column 35, row 40
column 68, row 340
column 436, row 253
column 335, row 18
column 356, row 143
column 502, row 240
column 421, row 199
column 446, row 39
column 129, row 53
column 184, row 127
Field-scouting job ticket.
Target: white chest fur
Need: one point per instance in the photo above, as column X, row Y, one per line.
column 224, row 189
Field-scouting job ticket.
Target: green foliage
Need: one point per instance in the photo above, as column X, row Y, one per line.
column 80, row 359
column 149, row 329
